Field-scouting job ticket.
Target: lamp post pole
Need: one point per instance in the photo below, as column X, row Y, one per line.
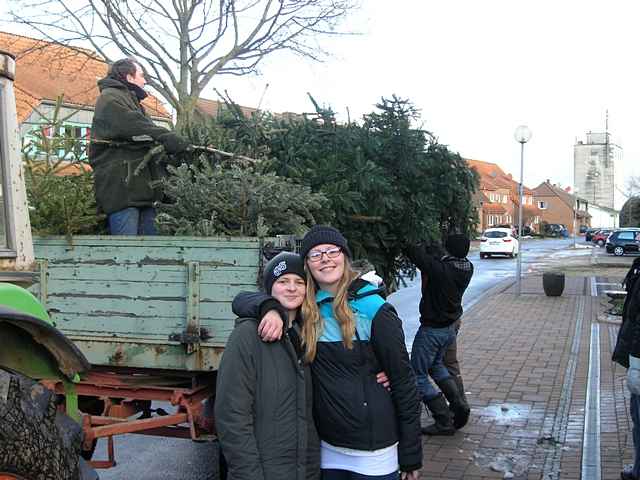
column 575, row 215
column 522, row 136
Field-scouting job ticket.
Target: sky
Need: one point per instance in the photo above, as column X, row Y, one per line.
column 477, row 70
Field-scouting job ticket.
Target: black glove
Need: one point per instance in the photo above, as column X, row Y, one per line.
column 173, row 143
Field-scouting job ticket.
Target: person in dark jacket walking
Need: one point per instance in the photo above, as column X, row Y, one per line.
column 263, row 405
column 627, row 354
column 121, row 133
column 444, row 281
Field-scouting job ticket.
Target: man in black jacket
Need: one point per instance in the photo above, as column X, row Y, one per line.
column 627, row 354
column 121, row 135
column 444, row 281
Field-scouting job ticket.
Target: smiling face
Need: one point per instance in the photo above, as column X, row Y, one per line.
column 326, row 271
column 289, row 290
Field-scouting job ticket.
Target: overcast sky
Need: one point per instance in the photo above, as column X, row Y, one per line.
column 477, row 70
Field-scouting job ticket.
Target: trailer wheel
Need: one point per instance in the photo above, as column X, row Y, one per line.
column 36, row 440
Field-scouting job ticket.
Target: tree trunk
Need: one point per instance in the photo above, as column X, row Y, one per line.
column 36, row 441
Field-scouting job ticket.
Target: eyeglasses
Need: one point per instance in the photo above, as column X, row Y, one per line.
column 316, row 255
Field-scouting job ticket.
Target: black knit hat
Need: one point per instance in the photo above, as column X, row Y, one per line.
column 320, row 234
column 457, row 245
column 281, row 264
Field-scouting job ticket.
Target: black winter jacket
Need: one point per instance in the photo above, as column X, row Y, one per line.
column 444, row 281
column 628, row 341
column 350, row 408
column 119, row 117
column 263, row 408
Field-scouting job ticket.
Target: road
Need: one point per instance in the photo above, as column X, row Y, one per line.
column 151, row 458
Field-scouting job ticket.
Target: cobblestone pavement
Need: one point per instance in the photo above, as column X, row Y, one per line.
column 527, row 362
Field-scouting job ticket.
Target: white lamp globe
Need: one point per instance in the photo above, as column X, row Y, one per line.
column 522, row 134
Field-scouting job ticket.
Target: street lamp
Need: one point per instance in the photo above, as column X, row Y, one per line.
column 522, row 136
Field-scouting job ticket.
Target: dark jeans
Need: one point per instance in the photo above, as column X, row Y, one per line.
column 330, row 474
column 451, row 355
column 635, row 417
column 427, row 358
column 133, row 221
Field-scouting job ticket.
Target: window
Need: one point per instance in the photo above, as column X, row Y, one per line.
column 70, row 140
column 542, row 205
column 504, row 199
column 626, row 236
column 495, row 234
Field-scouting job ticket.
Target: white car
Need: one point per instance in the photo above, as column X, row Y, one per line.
column 498, row 241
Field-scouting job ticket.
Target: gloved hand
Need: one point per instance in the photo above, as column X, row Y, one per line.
column 173, row 143
column 633, row 375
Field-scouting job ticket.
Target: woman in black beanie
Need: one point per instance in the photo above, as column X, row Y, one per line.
column 349, row 334
column 263, row 406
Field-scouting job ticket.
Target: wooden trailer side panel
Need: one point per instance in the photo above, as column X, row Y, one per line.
column 150, row 302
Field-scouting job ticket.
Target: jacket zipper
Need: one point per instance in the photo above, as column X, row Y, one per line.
column 363, row 375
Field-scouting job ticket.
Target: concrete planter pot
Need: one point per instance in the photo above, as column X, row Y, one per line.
column 553, row 283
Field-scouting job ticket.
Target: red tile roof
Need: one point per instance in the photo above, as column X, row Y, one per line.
column 46, row 70
column 212, row 107
column 492, row 177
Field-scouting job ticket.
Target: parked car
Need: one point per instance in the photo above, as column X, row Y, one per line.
column 583, row 229
column 526, row 230
column 623, row 241
column 588, row 235
column 600, row 238
column 498, row 241
column 556, row 230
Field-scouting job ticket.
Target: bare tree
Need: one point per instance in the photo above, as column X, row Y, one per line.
column 183, row 44
column 632, row 187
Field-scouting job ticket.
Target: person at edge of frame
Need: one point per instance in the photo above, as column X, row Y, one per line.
column 121, row 135
column 627, row 354
column 349, row 333
column 444, row 278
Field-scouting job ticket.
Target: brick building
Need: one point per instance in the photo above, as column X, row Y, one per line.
column 498, row 198
column 558, row 205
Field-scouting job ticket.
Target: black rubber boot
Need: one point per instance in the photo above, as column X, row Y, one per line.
column 459, row 407
column 443, row 419
column 463, row 396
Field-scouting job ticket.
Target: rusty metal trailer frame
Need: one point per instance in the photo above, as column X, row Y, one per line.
column 126, row 392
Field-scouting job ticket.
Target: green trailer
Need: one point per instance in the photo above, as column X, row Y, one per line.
column 161, row 302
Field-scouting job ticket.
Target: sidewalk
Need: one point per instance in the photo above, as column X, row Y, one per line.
column 526, row 364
